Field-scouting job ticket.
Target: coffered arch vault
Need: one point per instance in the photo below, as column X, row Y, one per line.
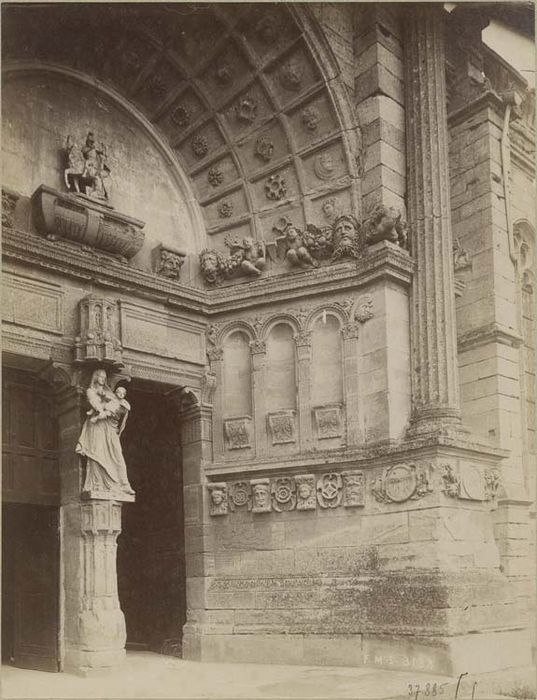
column 237, row 92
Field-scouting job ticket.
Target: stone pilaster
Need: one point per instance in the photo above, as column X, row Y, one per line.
column 259, row 355
column 216, row 356
column 350, row 333
column 435, row 391
column 303, row 348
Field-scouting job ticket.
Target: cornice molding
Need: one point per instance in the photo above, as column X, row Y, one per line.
column 381, row 261
column 490, row 333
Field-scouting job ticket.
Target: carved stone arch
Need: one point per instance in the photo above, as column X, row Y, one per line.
column 275, row 319
column 234, row 326
column 329, row 310
column 175, row 169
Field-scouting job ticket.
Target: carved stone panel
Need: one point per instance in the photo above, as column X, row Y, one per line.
column 282, row 427
column 260, row 495
column 472, row 483
column 237, row 432
column 330, row 490
column 305, row 492
column 353, row 489
column 218, row 503
column 283, row 492
column 328, row 421
column 99, row 331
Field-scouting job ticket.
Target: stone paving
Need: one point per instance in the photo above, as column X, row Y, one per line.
column 147, row 675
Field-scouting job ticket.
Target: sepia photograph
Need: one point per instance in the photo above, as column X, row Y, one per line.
column 268, row 350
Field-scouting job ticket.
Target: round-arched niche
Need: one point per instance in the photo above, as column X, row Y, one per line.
column 42, row 106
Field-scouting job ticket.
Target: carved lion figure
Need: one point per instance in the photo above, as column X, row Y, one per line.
column 213, row 265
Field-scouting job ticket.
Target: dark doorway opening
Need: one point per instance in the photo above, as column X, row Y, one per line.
column 151, row 561
column 30, row 574
column 30, row 519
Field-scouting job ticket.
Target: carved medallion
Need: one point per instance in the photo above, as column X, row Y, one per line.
column 260, row 489
column 264, row 148
column 239, row 495
column 180, row 116
column 224, row 74
column 275, row 187
column 329, row 490
column 237, row 432
column 291, row 75
column 218, row 500
column 283, row 494
column 353, row 489
column 324, row 166
column 225, row 210
column 282, row 427
column 400, row 483
column 310, row 119
column 472, row 483
column 215, row 177
column 328, row 422
column 246, row 109
column 200, row 146
column 305, row 492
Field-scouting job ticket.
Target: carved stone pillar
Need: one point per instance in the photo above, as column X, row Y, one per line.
column 350, row 333
column 435, row 388
column 303, row 347
column 259, row 354
column 94, row 623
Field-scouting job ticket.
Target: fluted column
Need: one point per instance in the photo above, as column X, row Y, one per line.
column 435, row 391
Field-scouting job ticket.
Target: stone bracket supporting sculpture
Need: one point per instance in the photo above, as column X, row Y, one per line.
column 82, row 220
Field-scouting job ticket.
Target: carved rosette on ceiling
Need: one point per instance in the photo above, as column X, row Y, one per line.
column 85, row 221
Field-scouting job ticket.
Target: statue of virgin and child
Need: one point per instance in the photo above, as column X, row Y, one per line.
column 106, row 471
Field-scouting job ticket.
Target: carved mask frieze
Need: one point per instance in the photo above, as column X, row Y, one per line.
column 218, row 498
column 260, row 489
column 240, row 495
column 306, row 496
column 329, row 490
column 353, row 488
column 283, row 492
